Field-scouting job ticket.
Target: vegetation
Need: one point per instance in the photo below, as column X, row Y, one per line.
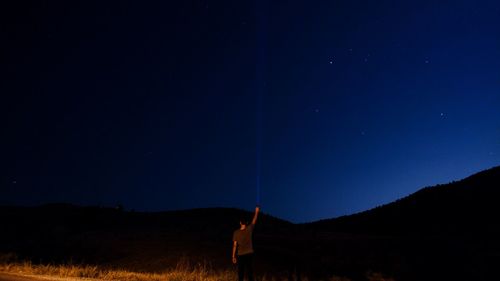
column 182, row 272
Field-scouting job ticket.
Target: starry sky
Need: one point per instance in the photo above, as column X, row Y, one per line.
column 327, row 107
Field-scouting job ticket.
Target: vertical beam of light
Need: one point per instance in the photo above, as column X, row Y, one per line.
column 260, row 73
column 258, row 147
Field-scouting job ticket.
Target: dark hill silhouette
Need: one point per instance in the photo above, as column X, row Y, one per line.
column 446, row 232
column 111, row 237
column 467, row 207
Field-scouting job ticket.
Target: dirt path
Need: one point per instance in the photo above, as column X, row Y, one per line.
column 4, row 276
column 15, row 277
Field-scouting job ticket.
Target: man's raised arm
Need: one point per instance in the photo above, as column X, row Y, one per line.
column 254, row 220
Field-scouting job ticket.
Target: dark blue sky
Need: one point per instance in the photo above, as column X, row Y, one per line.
column 155, row 106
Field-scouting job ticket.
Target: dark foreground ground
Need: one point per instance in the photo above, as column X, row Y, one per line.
column 153, row 242
column 446, row 232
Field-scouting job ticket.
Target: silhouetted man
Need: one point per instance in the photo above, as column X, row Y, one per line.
column 242, row 240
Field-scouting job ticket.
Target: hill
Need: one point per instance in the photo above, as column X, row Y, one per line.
column 438, row 233
column 466, row 207
column 57, row 233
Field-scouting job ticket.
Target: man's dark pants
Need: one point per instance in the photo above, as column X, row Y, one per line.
column 245, row 263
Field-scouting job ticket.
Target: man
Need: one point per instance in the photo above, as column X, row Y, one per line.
column 242, row 240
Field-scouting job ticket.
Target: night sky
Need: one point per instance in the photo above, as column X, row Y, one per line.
column 337, row 106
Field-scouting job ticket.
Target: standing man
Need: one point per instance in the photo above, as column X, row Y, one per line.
column 242, row 240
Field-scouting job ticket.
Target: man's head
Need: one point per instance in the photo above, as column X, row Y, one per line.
column 244, row 222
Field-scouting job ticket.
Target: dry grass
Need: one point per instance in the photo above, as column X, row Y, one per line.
column 182, row 272
column 196, row 273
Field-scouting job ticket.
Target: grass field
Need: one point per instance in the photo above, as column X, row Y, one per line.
column 182, row 272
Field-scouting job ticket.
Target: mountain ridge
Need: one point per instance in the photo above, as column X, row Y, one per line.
column 465, row 205
column 428, row 235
